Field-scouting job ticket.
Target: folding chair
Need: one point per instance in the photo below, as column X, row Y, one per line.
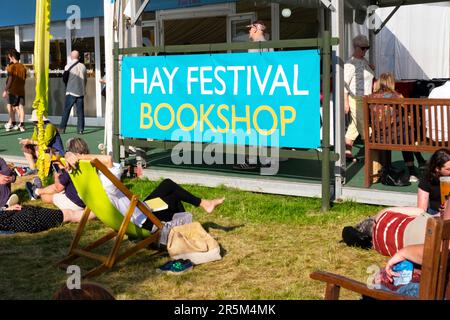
column 91, row 191
column 434, row 279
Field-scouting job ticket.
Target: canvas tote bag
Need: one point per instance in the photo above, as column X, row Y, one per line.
column 191, row 241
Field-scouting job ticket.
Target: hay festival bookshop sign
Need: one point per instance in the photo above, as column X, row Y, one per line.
column 260, row 99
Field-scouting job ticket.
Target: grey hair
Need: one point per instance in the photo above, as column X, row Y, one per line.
column 360, row 41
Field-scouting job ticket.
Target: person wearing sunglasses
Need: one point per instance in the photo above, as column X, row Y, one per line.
column 358, row 79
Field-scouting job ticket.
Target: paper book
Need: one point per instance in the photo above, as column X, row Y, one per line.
column 157, row 204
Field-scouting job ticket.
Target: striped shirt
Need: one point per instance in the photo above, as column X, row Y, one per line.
column 388, row 232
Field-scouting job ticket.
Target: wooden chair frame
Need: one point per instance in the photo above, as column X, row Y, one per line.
column 404, row 128
column 434, row 282
column 107, row 262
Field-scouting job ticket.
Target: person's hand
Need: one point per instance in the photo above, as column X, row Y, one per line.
column 396, row 258
column 14, row 207
column 25, row 141
column 346, row 107
column 5, row 94
column 71, row 160
column 372, row 66
column 5, row 179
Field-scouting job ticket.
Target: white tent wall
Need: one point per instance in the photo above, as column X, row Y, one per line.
column 415, row 43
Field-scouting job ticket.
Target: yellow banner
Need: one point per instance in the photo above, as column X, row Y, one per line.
column 41, row 66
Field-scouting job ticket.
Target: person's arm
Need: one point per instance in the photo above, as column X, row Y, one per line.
column 73, row 158
column 14, row 207
column 59, row 185
column 423, row 198
column 8, row 82
column 413, row 253
column 8, row 176
column 349, row 71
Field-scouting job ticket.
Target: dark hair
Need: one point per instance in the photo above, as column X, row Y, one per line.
column 437, row 161
column 88, row 291
column 77, row 145
column 14, row 53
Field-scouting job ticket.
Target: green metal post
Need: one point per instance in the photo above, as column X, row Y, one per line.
column 115, row 128
column 326, row 64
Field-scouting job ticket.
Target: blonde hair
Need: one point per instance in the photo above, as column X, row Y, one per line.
column 386, row 82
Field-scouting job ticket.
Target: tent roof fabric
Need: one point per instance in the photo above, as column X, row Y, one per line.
column 391, row 3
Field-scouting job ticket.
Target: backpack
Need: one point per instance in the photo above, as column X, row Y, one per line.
column 391, row 176
column 65, row 76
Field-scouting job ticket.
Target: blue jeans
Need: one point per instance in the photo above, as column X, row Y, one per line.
column 70, row 101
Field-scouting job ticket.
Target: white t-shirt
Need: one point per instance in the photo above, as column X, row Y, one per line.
column 358, row 77
column 441, row 92
column 118, row 199
column 262, row 49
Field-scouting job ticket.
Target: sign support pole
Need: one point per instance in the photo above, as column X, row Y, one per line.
column 326, row 64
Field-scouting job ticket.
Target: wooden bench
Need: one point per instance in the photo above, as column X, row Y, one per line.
column 434, row 280
column 403, row 124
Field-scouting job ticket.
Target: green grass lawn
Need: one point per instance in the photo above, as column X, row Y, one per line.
column 270, row 244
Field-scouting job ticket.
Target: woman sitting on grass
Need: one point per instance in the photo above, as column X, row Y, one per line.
column 170, row 192
column 33, row 219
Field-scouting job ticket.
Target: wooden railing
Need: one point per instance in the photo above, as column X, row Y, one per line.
column 403, row 124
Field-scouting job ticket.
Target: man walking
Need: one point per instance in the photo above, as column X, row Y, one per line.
column 75, row 91
column 15, row 91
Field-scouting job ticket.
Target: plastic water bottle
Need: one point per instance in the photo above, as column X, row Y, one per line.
column 405, row 269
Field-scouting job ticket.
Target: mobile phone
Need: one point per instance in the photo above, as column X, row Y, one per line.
column 56, row 168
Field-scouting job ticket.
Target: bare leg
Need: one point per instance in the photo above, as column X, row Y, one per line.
column 11, row 113
column 348, row 147
column 75, row 215
column 47, row 198
column 21, row 114
column 210, row 205
column 30, row 160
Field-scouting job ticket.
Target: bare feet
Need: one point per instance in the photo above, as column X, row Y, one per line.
column 210, row 205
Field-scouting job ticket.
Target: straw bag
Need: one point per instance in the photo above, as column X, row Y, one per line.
column 191, row 241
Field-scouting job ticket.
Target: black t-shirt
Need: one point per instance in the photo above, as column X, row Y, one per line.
column 434, row 190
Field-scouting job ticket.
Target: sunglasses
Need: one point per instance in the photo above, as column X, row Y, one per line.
column 365, row 48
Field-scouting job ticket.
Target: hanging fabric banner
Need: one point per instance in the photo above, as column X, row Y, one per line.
column 263, row 99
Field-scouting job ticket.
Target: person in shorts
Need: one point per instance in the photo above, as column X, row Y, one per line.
column 15, row 91
column 62, row 193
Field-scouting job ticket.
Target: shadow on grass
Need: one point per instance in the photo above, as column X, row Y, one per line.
column 209, row 224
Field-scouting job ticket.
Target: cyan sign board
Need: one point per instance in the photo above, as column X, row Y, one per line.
column 261, row 99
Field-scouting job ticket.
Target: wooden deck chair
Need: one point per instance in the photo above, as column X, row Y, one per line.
column 434, row 280
column 91, row 191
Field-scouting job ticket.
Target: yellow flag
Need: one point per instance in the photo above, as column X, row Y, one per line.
column 41, row 66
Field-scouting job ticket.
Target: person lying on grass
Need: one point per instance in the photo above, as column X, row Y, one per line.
column 428, row 202
column 34, row 219
column 169, row 191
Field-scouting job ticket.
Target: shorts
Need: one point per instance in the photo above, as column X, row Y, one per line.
column 16, row 101
column 388, row 232
column 63, row 202
column 415, row 231
column 356, row 126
